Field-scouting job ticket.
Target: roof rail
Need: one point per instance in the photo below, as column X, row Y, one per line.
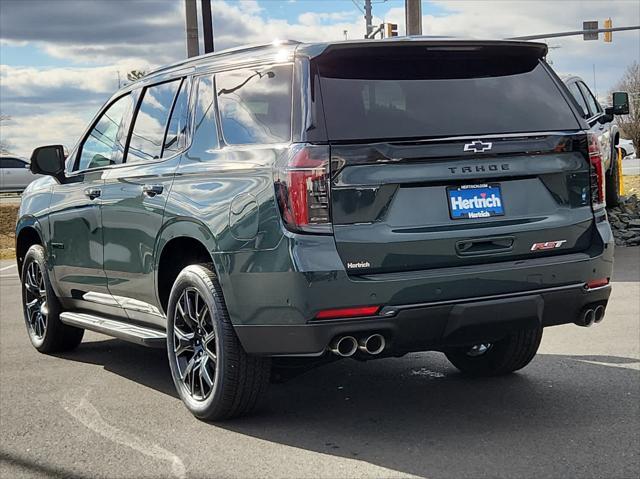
column 226, row 51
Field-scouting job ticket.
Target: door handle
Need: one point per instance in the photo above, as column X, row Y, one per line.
column 152, row 190
column 93, row 193
column 484, row 246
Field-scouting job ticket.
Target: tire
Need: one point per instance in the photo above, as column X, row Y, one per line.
column 613, row 181
column 213, row 375
column 42, row 309
column 502, row 357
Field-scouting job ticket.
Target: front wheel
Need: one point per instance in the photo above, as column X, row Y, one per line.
column 215, row 378
column 42, row 308
column 495, row 359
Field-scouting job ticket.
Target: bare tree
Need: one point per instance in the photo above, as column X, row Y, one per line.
column 630, row 124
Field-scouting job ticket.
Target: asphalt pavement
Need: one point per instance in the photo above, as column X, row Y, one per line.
column 631, row 166
column 109, row 409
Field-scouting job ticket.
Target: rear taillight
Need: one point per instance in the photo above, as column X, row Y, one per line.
column 302, row 188
column 597, row 172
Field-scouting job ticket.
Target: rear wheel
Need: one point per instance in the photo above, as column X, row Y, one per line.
column 613, row 181
column 42, row 309
column 494, row 359
column 213, row 375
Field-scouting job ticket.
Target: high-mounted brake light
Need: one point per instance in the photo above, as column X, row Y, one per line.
column 302, row 189
column 597, row 173
column 348, row 312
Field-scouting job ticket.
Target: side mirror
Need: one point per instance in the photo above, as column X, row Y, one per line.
column 48, row 160
column 607, row 117
column 620, row 103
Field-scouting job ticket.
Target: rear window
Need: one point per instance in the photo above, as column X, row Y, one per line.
column 412, row 92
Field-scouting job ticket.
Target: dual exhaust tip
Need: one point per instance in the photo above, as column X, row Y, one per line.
column 591, row 316
column 347, row 346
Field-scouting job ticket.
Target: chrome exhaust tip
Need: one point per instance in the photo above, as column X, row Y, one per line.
column 344, row 346
column 373, row 344
column 588, row 318
column 598, row 314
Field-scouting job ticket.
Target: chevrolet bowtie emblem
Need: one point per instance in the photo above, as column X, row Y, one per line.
column 478, row 146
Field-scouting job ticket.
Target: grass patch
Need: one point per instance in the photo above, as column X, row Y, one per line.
column 8, row 214
column 631, row 185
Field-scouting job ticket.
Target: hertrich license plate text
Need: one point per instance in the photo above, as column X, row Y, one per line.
column 475, row 201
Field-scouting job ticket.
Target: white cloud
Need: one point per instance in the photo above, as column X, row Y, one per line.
column 24, row 133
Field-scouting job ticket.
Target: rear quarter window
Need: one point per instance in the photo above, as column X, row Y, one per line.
column 255, row 105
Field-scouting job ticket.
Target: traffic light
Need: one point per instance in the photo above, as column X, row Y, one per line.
column 391, row 30
column 608, row 36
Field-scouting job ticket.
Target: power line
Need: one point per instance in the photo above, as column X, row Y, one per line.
column 357, row 6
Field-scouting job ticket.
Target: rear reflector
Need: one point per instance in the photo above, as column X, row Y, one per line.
column 348, row 312
column 597, row 283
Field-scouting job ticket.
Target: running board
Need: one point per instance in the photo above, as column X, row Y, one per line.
column 118, row 329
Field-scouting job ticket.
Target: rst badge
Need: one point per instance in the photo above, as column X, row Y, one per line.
column 547, row 245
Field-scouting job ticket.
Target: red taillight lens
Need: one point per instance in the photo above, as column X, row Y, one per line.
column 348, row 312
column 597, row 173
column 302, row 189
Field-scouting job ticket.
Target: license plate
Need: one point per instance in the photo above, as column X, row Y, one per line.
column 475, row 201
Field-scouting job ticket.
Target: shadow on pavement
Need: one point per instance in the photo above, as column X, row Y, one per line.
column 31, row 467
column 561, row 415
column 146, row 366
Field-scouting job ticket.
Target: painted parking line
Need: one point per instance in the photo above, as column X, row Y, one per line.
column 7, row 267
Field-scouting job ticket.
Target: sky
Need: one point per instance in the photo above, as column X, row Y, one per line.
column 60, row 60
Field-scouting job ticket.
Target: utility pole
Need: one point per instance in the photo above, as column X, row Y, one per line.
column 192, row 28
column 207, row 26
column 413, row 16
column 368, row 17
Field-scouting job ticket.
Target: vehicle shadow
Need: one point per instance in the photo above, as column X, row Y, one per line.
column 562, row 416
column 146, row 366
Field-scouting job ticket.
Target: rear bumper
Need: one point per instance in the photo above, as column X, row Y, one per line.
column 272, row 309
column 432, row 326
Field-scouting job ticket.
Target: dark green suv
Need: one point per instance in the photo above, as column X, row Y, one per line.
column 355, row 199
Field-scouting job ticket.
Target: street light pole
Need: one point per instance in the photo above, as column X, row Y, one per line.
column 368, row 17
column 192, row 28
column 207, row 26
column 413, row 16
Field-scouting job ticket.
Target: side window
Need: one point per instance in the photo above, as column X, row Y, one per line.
column 255, row 105
column 106, row 140
column 594, row 107
column 147, row 136
column 177, row 128
column 205, row 135
column 575, row 92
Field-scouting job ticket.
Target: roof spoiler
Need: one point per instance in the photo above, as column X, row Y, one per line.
column 512, row 47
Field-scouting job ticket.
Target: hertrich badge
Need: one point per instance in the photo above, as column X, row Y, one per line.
column 359, row 264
